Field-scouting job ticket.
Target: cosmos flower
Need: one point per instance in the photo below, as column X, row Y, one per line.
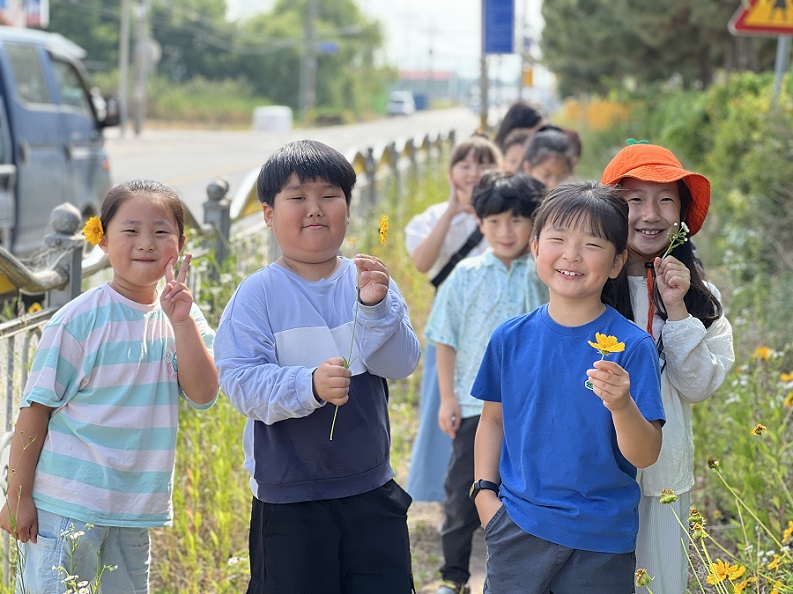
column 93, row 231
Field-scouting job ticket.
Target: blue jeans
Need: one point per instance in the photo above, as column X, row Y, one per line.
column 70, row 547
column 432, row 447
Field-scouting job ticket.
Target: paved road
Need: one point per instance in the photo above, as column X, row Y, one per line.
column 190, row 159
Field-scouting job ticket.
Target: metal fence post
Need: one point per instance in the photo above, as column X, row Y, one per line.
column 217, row 213
column 65, row 253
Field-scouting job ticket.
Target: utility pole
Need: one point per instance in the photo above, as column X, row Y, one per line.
column 140, row 66
column 308, row 66
column 123, row 67
column 483, row 79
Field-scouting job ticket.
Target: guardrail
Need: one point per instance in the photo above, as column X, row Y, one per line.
column 384, row 175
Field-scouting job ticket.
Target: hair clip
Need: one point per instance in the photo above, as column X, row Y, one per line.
column 634, row 141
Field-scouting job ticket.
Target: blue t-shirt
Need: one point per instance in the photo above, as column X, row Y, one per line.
column 563, row 477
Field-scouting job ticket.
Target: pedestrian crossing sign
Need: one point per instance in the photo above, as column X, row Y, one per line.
column 763, row 17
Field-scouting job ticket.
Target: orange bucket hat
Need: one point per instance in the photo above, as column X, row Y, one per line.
column 652, row 163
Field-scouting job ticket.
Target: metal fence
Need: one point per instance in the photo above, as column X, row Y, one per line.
column 233, row 241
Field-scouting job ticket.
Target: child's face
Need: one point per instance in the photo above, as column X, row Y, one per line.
column 507, row 234
column 140, row 240
column 309, row 220
column 552, row 171
column 512, row 158
column 465, row 174
column 574, row 263
column 653, row 211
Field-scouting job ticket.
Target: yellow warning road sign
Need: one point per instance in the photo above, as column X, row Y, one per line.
column 763, row 17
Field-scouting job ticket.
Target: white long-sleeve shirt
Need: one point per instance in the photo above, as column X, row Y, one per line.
column 695, row 363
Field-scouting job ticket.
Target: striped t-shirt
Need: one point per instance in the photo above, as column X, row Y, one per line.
column 107, row 366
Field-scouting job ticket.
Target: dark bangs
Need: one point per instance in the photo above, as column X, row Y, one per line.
column 598, row 209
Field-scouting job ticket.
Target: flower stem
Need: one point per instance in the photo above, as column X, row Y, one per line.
column 348, row 360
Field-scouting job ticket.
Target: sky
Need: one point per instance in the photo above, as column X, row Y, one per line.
column 432, row 34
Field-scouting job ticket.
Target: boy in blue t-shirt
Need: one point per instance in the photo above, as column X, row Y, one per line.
column 305, row 347
column 480, row 293
column 566, row 435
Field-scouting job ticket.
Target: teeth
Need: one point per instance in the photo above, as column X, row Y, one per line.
column 569, row 273
column 653, row 233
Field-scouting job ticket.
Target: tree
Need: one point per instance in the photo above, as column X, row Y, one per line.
column 345, row 79
column 591, row 43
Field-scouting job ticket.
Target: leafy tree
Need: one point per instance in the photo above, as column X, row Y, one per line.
column 344, row 79
column 92, row 24
column 591, row 43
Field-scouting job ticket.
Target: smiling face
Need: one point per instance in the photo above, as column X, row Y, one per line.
column 654, row 210
column 140, row 241
column 507, row 234
column 309, row 220
column 575, row 263
column 465, row 174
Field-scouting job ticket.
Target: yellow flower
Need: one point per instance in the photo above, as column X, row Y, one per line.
column 713, row 463
column 720, row 571
column 606, row 345
column 668, row 496
column 788, row 400
column 759, row 430
column 642, row 577
column 762, row 353
column 383, row 228
column 786, row 377
column 35, row 307
column 774, row 563
column 93, row 231
column 777, row 584
column 741, row 586
column 788, row 532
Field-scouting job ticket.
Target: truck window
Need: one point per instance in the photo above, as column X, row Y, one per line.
column 73, row 91
column 28, row 75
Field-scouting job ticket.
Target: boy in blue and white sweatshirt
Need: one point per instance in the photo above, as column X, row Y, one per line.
column 297, row 355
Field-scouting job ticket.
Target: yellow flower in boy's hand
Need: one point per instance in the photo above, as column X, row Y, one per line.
column 642, row 578
column 383, row 228
column 93, row 231
column 606, row 345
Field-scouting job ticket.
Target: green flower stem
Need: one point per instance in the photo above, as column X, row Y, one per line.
column 348, row 360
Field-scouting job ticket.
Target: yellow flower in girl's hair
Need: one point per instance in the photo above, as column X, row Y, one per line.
column 383, row 228
column 606, row 345
column 93, row 231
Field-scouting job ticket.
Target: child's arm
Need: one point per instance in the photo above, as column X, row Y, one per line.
column 639, row 440
column 197, row 375
column 487, row 458
column 18, row 516
column 386, row 341
column 427, row 252
column 449, row 412
column 697, row 358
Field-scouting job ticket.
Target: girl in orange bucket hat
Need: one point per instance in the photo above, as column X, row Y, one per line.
column 668, row 295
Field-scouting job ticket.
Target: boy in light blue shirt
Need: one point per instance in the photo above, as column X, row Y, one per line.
column 481, row 293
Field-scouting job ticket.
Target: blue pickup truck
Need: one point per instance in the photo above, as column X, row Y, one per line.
column 51, row 135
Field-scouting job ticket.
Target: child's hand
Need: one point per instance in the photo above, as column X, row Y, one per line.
column 176, row 298
column 449, row 417
column 372, row 279
column 611, row 383
column 673, row 280
column 26, row 520
column 459, row 200
column 331, row 381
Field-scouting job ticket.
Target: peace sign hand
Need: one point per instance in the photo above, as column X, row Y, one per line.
column 176, row 299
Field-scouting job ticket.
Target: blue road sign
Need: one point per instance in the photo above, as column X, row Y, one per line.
column 498, row 26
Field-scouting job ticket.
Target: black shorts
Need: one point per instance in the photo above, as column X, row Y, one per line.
column 351, row 545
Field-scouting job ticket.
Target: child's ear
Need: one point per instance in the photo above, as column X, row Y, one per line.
column 181, row 242
column 534, row 247
column 268, row 214
column 619, row 262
